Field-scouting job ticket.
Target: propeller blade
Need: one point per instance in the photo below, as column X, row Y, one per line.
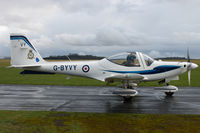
column 189, row 73
column 188, row 55
column 189, row 66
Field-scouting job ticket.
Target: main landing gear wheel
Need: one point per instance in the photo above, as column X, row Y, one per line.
column 127, row 94
column 127, row 99
column 169, row 93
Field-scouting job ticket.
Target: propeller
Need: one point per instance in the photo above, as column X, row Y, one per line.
column 189, row 73
column 188, row 55
column 189, row 66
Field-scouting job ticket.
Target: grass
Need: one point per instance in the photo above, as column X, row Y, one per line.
column 12, row 76
column 60, row 122
column 54, row 122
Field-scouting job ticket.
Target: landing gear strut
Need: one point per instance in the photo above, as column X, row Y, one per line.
column 168, row 89
column 127, row 92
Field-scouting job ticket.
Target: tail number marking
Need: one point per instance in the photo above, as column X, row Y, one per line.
column 64, row 67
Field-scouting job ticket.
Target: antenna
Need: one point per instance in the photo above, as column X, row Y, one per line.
column 69, row 58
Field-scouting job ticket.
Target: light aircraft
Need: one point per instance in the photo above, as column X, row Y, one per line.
column 130, row 68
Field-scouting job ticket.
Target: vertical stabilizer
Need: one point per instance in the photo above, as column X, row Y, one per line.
column 23, row 52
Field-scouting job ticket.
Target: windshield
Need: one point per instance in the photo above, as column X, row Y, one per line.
column 148, row 60
column 125, row 59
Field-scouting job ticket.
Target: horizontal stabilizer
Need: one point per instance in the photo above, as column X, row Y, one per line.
column 24, row 66
column 34, row 72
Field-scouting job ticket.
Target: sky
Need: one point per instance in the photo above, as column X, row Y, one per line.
column 159, row 28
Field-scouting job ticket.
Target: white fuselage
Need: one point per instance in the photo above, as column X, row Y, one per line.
column 101, row 69
column 130, row 68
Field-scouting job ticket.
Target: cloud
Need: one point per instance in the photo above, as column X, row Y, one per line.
column 187, row 37
column 26, row 16
column 154, row 53
column 76, row 39
column 4, row 35
column 91, row 7
column 157, row 27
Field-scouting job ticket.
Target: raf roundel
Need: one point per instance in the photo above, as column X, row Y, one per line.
column 85, row 68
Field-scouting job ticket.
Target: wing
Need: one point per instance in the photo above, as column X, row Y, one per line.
column 136, row 78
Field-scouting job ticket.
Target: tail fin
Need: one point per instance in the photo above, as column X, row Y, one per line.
column 23, row 53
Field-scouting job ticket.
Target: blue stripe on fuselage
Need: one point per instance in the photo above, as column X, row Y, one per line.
column 22, row 38
column 156, row 70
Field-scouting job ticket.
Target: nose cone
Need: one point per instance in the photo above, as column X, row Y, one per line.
column 193, row 65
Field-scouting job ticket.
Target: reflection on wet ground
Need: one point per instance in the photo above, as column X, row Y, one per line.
column 97, row 99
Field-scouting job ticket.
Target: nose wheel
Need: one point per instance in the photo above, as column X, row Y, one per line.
column 169, row 90
column 127, row 99
column 169, row 94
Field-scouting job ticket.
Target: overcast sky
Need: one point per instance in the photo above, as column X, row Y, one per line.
column 158, row 28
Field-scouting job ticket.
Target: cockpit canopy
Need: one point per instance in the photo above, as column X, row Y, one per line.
column 131, row 59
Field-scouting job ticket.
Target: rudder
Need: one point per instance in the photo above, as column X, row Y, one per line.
column 23, row 52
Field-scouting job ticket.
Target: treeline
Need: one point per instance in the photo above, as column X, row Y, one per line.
column 74, row 57
column 172, row 58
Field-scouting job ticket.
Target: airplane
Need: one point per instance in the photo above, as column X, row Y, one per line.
column 129, row 68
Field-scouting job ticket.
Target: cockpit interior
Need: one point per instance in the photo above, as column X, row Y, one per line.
column 131, row 59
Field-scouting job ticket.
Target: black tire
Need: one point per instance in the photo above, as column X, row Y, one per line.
column 129, row 87
column 169, row 93
column 127, row 99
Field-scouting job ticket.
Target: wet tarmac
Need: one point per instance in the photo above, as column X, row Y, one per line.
column 97, row 99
